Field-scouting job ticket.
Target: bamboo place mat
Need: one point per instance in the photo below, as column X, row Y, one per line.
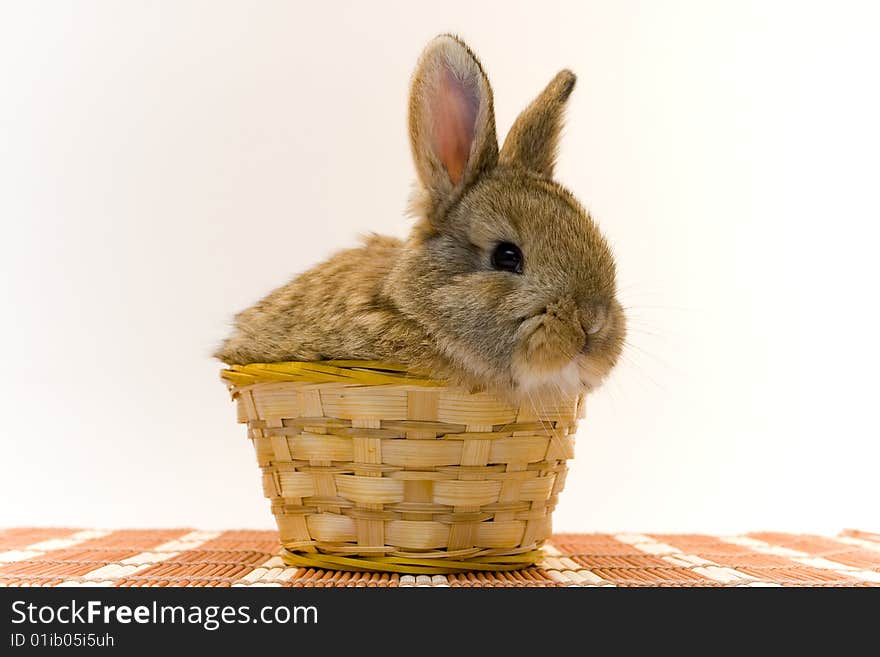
column 184, row 557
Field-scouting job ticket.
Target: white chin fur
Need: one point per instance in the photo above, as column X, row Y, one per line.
column 566, row 380
column 590, row 379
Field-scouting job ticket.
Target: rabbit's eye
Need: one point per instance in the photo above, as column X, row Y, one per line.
column 508, row 257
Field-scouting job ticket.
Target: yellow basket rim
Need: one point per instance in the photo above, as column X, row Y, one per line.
column 360, row 372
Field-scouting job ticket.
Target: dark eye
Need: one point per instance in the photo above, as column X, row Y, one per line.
column 508, row 257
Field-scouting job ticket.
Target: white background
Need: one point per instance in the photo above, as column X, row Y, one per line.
column 163, row 165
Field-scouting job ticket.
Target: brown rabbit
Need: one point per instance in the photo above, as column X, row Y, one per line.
column 505, row 283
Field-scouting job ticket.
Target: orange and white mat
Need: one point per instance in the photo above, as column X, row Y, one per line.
column 184, row 557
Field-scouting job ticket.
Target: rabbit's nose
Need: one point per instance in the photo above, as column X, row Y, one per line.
column 592, row 325
column 595, row 327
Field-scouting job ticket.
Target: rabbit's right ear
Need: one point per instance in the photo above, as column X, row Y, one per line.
column 451, row 120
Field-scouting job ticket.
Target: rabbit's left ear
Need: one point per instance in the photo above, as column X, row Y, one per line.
column 451, row 119
column 534, row 137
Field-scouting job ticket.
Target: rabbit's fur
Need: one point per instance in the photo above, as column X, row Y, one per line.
column 435, row 303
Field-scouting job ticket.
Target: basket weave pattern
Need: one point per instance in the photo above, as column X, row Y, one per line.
column 404, row 477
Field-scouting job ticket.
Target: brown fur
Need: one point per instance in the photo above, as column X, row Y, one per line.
column 434, row 302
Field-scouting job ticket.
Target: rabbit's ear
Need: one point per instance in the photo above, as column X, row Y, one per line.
column 534, row 136
column 451, row 119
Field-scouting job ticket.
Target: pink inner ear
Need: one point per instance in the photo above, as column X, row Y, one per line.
column 454, row 116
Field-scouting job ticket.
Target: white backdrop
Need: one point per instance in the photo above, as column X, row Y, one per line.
column 163, row 165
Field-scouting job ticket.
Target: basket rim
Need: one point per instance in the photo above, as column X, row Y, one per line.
column 363, row 372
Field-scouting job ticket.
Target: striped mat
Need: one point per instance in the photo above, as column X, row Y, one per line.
column 184, row 557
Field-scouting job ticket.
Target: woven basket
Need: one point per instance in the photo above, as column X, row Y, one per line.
column 369, row 467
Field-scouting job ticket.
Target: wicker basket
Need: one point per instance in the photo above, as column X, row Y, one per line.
column 371, row 468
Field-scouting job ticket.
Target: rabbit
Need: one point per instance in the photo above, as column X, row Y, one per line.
column 505, row 283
